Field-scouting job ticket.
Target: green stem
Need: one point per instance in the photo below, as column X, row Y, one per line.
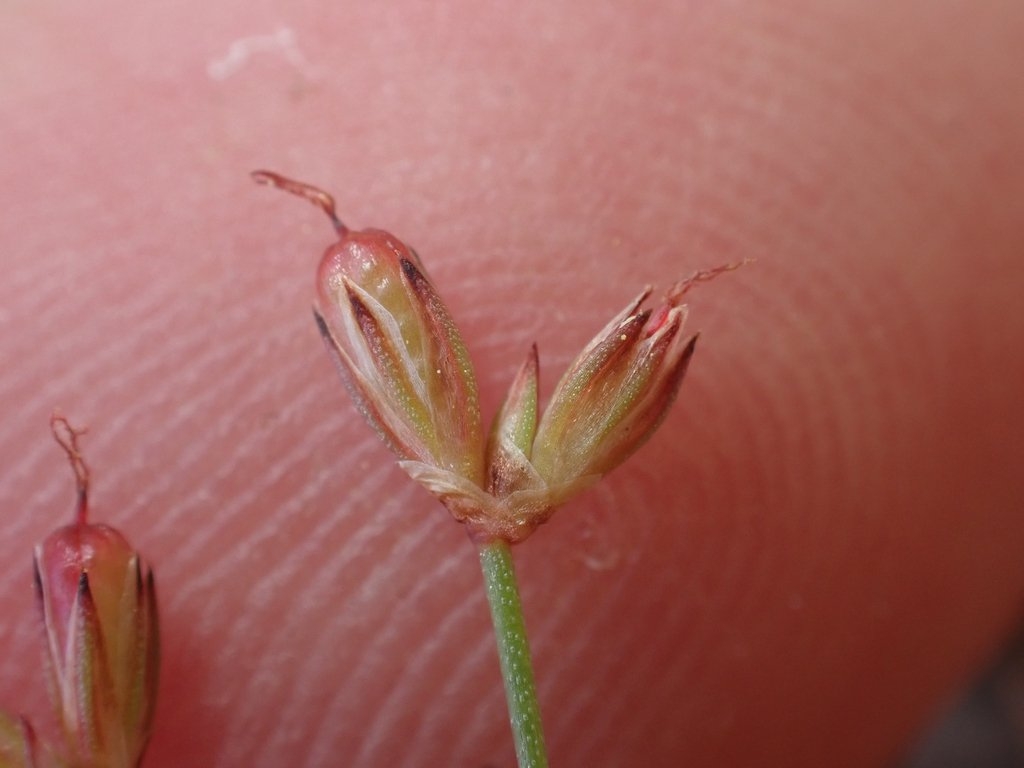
column 513, row 653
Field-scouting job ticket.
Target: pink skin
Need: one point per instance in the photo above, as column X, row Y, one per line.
column 823, row 540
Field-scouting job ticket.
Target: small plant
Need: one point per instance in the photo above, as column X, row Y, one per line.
column 405, row 364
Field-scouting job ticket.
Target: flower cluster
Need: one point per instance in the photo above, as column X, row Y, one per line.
column 404, row 361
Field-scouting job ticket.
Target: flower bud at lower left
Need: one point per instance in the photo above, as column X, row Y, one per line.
column 98, row 604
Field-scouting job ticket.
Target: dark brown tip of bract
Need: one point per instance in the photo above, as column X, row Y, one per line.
column 321, row 324
column 417, row 280
column 315, row 195
column 67, row 438
column 691, row 345
column 83, row 586
column 411, row 271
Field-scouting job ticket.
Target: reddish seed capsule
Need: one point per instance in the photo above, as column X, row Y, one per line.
column 395, row 344
column 98, row 603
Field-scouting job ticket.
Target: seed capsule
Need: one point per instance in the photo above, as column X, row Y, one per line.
column 98, row 603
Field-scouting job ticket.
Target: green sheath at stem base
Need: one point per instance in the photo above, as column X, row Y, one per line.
column 513, row 653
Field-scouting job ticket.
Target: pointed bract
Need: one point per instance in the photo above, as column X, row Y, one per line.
column 582, row 398
column 511, row 439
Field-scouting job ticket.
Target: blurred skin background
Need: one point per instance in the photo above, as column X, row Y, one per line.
column 820, row 547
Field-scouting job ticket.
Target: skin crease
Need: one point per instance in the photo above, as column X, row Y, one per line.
column 819, row 546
